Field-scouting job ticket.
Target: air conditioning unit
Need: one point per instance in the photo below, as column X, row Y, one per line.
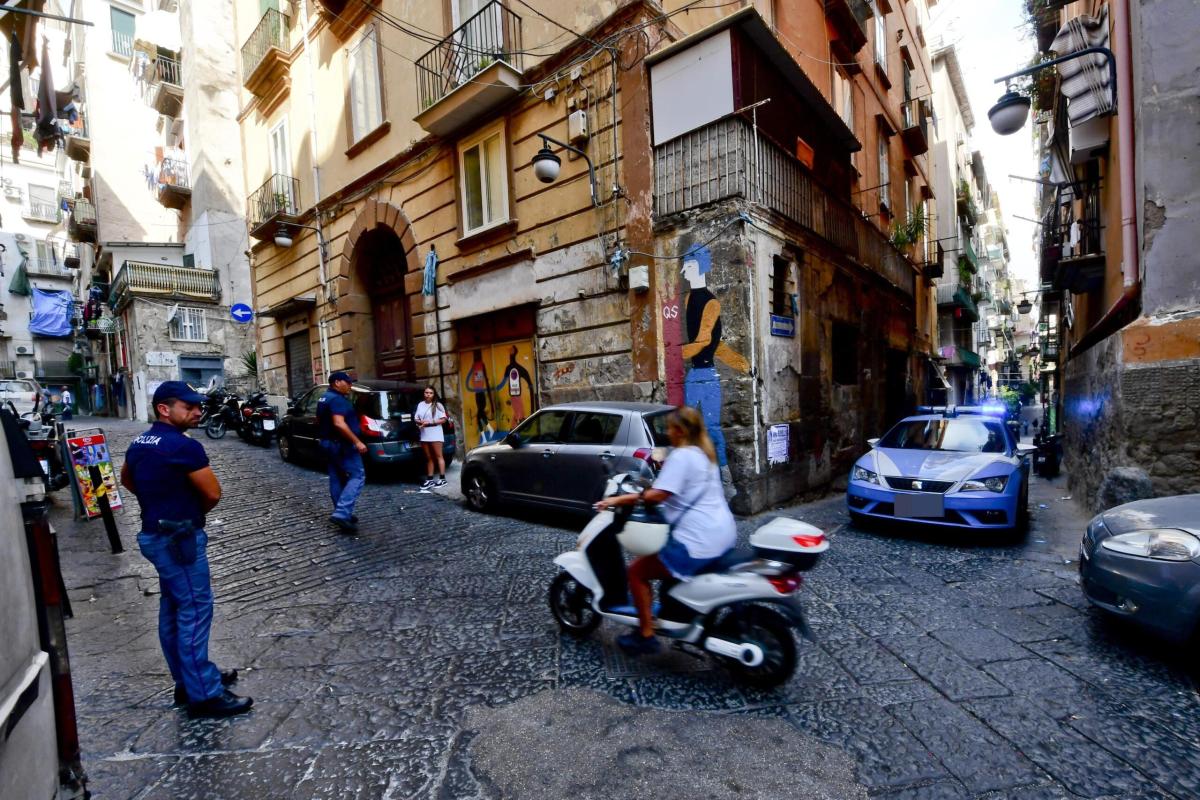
column 12, row 192
column 20, row 237
column 24, row 350
column 23, row 374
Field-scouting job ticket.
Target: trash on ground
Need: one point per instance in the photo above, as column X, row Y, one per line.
column 1042, row 505
column 1068, row 497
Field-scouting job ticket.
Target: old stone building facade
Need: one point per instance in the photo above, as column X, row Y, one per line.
column 1120, row 284
column 409, row 237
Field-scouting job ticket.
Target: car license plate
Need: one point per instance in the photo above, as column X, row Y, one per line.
column 920, row 505
column 268, row 424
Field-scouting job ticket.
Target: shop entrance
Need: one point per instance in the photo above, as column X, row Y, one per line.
column 497, row 373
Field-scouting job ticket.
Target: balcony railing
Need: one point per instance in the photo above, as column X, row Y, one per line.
column 83, row 213
column 1073, row 254
column 278, row 197
column 915, row 126
column 47, row 268
column 969, row 258
column 272, row 31
column 849, row 19
column 173, row 189
column 160, row 280
column 958, row 295
column 40, row 211
column 492, row 35
column 168, row 71
column 718, row 162
column 122, row 44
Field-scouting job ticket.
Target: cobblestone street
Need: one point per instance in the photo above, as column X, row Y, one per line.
column 944, row 669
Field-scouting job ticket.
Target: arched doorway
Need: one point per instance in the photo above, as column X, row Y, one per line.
column 380, row 263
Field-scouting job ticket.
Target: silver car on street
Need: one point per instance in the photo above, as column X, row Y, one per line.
column 562, row 456
column 1141, row 561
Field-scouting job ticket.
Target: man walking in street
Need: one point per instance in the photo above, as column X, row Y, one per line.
column 168, row 472
column 67, row 401
column 339, row 432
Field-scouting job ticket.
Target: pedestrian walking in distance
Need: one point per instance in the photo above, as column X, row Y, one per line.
column 430, row 416
column 168, row 472
column 339, row 432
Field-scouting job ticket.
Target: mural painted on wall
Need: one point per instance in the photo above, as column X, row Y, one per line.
column 498, row 389
column 693, row 341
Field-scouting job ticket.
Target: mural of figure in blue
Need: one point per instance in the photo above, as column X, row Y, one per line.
column 703, row 346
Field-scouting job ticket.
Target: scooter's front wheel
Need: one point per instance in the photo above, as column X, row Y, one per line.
column 772, row 633
column 571, row 605
column 215, row 429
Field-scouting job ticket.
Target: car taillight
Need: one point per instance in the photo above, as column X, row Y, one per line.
column 377, row 427
column 786, row 584
column 38, row 444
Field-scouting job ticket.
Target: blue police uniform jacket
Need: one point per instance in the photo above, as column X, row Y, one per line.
column 160, row 461
column 335, row 403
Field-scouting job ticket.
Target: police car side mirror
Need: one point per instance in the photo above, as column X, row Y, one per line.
column 873, row 442
column 1025, row 450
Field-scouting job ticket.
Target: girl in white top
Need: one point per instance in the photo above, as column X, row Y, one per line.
column 702, row 527
column 429, row 416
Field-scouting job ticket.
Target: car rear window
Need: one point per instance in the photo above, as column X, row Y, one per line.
column 386, row 405
column 656, row 423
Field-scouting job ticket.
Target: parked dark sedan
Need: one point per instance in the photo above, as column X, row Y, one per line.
column 562, row 456
column 385, row 411
column 1141, row 561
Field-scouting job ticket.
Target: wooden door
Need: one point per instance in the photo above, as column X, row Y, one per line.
column 393, row 341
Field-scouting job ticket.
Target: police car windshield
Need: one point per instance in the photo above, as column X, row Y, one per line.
column 385, row 404
column 957, row 435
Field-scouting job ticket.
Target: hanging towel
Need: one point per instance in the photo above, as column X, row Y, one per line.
column 51, row 313
column 16, row 97
column 429, row 287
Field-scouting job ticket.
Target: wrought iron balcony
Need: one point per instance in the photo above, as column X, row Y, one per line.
column 346, row 16
column 1073, row 256
column 272, row 205
column 47, row 268
column 482, row 57
column 79, row 142
column 173, row 190
column 914, row 129
column 849, row 20
column 266, row 56
column 718, row 162
column 41, row 211
column 168, row 88
column 137, row 278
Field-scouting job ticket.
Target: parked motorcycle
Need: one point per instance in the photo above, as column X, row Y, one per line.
column 226, row 414
column 742, row 609
column 257, row 420
column 214, row 400
column 42, row 432
column 1048, row 457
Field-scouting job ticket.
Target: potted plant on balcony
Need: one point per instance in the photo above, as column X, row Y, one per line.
column 282, row 203
column 906, row 234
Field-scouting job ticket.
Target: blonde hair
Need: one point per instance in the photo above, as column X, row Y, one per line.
column 689, row 420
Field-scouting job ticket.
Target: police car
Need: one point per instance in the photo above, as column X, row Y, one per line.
column 957, row 467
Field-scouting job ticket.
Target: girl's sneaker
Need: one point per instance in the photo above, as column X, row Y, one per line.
column 428, row 484
column 440, row 482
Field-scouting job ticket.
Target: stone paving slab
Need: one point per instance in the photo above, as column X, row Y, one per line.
column 945, row 666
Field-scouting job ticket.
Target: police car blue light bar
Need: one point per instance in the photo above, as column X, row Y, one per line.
column 991, row 410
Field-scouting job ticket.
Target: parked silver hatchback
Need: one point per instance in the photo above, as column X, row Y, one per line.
column 562, row 456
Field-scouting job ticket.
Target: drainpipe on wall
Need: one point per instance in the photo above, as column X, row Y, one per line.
column 1110, row 323
column 323, row 275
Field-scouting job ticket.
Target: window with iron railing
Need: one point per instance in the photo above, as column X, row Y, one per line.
column 189, row 325
column 122, row 32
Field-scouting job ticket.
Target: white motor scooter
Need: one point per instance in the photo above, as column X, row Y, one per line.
column 742, row 609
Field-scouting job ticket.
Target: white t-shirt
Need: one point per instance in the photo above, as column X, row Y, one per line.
column 707, row 528
column 66, row 397
column 427, row 413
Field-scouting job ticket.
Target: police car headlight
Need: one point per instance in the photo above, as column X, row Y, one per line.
column 864, row 475
column 996, row 484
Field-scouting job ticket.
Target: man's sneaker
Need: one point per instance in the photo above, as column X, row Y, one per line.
column 637, row 645
column 346, row 525
column 226, row 704
column 440, row 482
column 429, row 483
column 228, row 676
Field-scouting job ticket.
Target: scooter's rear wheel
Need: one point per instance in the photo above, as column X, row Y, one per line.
column 571, row 605
column 772, row 633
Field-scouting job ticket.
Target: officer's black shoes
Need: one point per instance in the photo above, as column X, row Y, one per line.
column 226, row 704
column 347, row 525
column 228, row 676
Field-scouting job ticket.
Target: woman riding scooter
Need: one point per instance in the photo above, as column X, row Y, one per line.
column 690, row 493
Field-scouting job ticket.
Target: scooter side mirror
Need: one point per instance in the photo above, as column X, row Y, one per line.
column 514, row 441
column 1026, row 450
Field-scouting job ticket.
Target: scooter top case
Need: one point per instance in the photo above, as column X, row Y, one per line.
column 790, row 541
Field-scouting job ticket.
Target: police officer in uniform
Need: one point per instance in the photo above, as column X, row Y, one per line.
column 169, row 474
column 339, row 432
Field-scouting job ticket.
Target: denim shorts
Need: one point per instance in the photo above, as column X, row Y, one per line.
column 674, row 556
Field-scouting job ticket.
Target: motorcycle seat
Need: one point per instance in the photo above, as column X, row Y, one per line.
column 738, row 555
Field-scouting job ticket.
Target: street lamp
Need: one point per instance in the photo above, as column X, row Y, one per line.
column 546, row 164
column 1024, row 307
column 1012, row 109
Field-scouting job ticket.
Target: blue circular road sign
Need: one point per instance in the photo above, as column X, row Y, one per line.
column 241, row 313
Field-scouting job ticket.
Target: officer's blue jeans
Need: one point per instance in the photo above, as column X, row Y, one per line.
column 185, row 611
column 702, row 391
column 347, row 477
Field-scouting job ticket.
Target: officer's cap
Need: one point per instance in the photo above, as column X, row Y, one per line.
column 177, row 390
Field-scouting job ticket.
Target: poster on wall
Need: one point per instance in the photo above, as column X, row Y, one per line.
column 87, row 452
column 498, row 389
column 778, row 443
